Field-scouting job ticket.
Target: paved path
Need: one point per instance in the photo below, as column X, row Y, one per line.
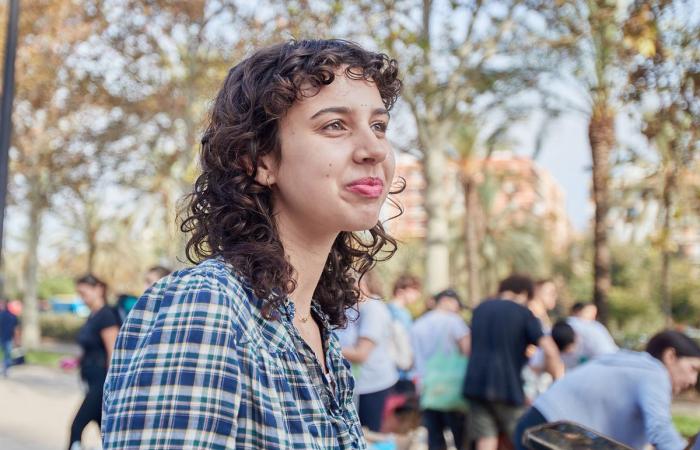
column 38, row 405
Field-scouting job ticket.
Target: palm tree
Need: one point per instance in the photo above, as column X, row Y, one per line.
column 664, row 40
column 585, row 47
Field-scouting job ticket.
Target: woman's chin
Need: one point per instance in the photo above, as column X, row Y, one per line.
column 362, row 225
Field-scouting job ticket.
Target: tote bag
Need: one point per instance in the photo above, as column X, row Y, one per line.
column 441, row 389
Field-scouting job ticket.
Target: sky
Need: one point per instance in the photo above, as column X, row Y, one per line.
column 566, row 155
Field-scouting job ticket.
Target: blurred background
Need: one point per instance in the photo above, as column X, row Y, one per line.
column 557, row 138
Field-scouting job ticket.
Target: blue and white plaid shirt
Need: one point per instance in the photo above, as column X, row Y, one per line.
column 197, row 366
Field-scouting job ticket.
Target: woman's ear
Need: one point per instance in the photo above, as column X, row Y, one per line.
column 265, row 173
column 668, row 356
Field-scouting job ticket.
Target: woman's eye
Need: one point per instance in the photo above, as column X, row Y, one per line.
column 380, row 126
column 336, row 125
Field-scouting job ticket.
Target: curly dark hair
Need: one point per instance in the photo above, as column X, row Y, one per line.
column 229, row 214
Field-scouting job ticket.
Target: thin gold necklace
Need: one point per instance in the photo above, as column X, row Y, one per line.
column 305, row 319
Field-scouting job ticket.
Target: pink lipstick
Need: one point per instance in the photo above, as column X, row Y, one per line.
column 370, row 187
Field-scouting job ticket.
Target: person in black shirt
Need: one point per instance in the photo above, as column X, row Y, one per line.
column 502, row 329
column 96, row 338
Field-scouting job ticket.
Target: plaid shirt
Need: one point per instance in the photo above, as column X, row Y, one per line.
column 197, row 366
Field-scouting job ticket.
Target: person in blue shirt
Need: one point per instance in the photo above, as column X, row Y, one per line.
column 593, row 339
column 407, row 290
column 238, row 352
column 625, row 395
column 8, row 334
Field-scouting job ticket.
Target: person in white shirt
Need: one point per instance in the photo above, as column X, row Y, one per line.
column 592, row 338
column 441, row 329
column 366, row 342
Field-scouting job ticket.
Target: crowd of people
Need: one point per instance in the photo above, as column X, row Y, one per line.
column 514, row 367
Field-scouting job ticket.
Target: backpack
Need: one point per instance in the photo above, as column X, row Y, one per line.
column 400, row 348
column 125, row 303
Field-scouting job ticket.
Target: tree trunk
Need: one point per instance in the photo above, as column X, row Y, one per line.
column 666, row 305
column 471, row 207
column 601, row 133
column 31, row 332
column 91, row 222
column 437, row 253
column 91, row 250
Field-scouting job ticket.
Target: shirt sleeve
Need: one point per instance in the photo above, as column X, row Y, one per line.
column 374, row 321
column 175, row 377
column 459, row 329
column 106, row 318
column 533, row 328
column 537, row 360
column 601, row 341
column 655, row 402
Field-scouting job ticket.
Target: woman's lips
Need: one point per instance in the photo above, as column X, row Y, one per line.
column 367, row 187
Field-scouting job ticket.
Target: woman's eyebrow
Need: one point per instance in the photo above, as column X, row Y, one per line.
column 345, row 111
column 333, row 109
column 381, row 112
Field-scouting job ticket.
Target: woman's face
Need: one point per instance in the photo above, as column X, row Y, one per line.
column 91, row 295
column 683, row 371
column 336, row 164
column 547, row 294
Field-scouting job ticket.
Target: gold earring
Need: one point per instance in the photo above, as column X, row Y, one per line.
column 267, row 181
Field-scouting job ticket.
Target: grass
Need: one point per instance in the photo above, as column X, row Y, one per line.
column 687, row 425
column 44, row 358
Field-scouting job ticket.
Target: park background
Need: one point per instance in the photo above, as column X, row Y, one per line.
column 557, row 138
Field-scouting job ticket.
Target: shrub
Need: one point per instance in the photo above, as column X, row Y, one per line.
column 62, row 327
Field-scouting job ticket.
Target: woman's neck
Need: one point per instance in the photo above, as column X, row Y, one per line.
column 308, row 254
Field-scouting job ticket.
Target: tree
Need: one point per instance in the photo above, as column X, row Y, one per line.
column 173, row 57
column 585, row 48
column 662, row 37
column 53, row 104
column 458, row 60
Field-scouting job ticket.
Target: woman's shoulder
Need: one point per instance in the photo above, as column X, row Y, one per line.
column 212, row 273
column 105, row 317
column 209, row 288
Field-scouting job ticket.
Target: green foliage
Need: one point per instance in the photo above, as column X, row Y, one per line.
column 634, row 314
column 685, row 293
column 408, row 259
column 57, row 285
column 634, row 305
column 688, row 426
column 62, row 327
column 635, row 294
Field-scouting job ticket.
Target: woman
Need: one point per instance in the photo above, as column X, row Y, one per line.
column 368, row 339
column 96, row 338
column 238, row 351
